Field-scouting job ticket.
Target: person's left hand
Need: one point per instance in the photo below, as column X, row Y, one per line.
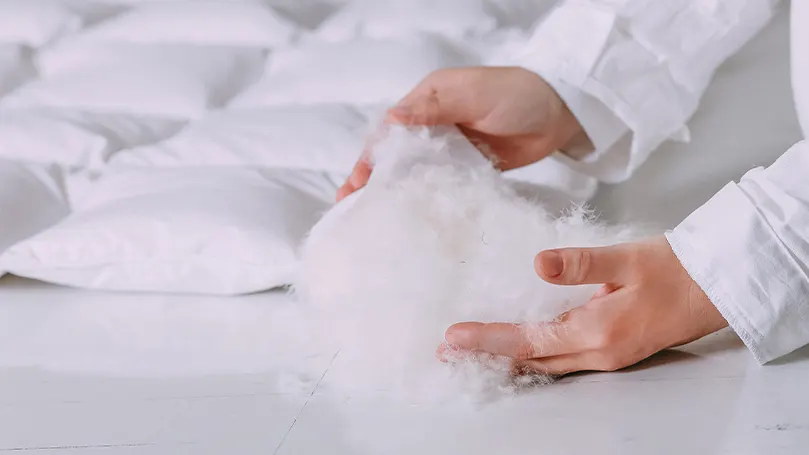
column 648, row 303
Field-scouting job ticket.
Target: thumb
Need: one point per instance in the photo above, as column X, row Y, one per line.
column 573, row 266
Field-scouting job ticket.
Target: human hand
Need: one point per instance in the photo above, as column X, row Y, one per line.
column 515, row 114
column 648, row 303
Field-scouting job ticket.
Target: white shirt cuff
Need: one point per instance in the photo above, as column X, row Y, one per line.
column 609, row 158
column 729, row 249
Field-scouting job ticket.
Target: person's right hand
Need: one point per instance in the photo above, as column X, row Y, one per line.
column 512, row 112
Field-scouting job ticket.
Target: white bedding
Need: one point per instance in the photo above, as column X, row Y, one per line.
column 209, row 197
column 111, row 90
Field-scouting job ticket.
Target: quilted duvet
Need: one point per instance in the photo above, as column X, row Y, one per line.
column 187, row 146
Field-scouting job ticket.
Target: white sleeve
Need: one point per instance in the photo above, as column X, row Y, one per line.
column 633, row 71
column 748, row 249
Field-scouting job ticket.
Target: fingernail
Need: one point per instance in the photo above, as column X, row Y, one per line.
column 344, row 191
column 550, row 262
column 461, row 335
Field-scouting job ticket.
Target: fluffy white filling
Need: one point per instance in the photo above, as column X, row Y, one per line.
column 436, row 237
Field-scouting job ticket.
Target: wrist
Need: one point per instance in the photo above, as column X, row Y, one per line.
column 579, row 145
column 593, row 128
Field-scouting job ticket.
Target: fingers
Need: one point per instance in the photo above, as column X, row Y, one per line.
column 552, row 366
column 423, row 110
column 448, row 353
column 563, row 364
column 496, row 338
column 514, row 340
column 572, row 266
column 358, row 178
column 445, row 97
column 345, row 191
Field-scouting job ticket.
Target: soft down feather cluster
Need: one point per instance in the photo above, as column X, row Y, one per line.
column 437, row 236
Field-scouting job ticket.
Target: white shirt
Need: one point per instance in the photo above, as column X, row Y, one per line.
column 633, row 73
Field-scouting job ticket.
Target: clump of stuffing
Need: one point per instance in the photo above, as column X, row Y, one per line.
column 437, row 236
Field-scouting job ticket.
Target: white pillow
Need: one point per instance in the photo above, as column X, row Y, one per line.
column 31, row 199
column 36, row 22
column 194, row 22
column 317, row 137
column 15, row 66
column 361, row 71
column 75, row 139
column 397, row 18
column 181, row 81
column 209, row 231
